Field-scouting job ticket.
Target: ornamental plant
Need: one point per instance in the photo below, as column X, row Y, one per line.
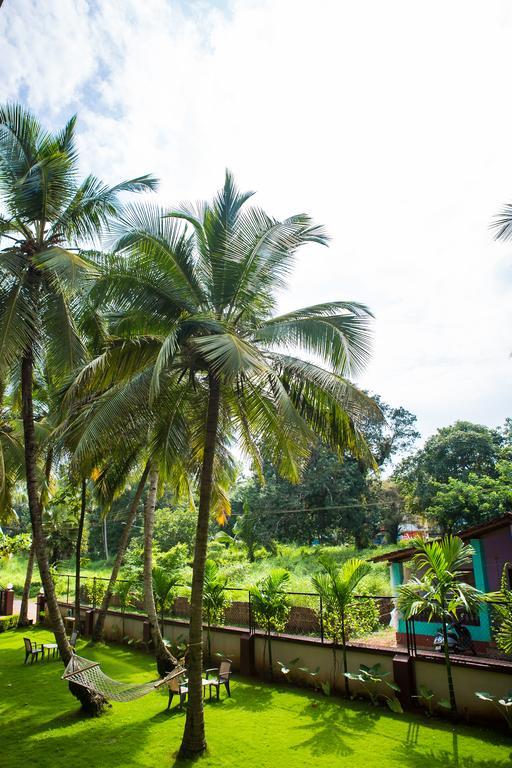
column 270, row 607
column 440, row 590
column 372, row 679
column 337, row 588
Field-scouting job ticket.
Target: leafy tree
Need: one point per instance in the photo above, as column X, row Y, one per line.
column 390, row 508
column 440, row 590
column 453, row 452
column 337, row 588
column 175, row 526
column 461, row 503
column 364, row 505
column 393, row 435
column 270, row 606
column 193, row 305
column 45, row 212
column 13, row 545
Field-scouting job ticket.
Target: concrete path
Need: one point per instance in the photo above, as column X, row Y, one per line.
column 32, row 609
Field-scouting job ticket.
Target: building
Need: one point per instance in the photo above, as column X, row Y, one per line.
column 492, row 545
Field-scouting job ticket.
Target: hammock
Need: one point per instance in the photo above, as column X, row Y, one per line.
column 89, row 675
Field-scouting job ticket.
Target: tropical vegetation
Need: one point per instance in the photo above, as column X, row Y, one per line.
column 440, row 591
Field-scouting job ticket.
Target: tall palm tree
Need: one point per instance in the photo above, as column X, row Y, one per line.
column 121, row 551
column 337, row 588
column 45, row 214
column 439, row 589
column 193, row 293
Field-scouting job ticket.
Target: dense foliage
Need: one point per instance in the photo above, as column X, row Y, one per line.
column 336, row 501
column 462, row 476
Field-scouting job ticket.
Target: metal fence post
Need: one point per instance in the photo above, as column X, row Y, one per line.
column 94, row 593
column 250, row 614
column 321, row 620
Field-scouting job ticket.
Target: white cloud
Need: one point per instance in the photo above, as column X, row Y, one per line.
column 389, row 122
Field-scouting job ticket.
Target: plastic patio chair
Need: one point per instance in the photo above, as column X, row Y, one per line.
column 32, row 649
column 177, row 686
column 223, row 673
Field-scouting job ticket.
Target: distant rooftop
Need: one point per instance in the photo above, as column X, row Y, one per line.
column 475, row 532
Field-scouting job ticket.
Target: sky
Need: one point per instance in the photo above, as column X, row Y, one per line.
column 390, row 123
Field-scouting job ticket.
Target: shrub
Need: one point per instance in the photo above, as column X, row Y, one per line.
column 362, row 618
column 8, row 622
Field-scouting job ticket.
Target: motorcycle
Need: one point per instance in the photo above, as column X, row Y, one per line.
column 459, row 639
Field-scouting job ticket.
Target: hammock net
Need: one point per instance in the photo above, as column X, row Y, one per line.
column 89, row 675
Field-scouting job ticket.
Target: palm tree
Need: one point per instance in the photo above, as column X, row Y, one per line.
column 121, row 551
column 215, row 600
column 124, row 591
column 337, row 588
column 45, row 214
column 501, row 601
column 269, row 606
column 439, row 589
column 192, row 294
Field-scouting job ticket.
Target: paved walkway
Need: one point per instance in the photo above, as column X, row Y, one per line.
column 32, row 609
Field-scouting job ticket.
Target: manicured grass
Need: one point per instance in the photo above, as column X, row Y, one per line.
column 261, row 725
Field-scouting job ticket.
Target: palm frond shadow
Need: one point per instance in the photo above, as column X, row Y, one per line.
column 409, row 757
column 331, row 725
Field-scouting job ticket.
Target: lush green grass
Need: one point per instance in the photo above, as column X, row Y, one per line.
column 14, row 569
column 260, row 725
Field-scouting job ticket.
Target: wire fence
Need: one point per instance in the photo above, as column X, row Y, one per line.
column 305, row 614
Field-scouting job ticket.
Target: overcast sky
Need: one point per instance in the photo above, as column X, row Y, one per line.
column 390, row 122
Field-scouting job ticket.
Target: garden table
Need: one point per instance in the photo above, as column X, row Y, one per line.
column 53, row 647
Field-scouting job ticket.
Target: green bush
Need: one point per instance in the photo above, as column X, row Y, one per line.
column 362, row 618
column 8, row 622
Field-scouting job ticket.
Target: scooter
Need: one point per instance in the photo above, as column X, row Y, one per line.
column 459, row 639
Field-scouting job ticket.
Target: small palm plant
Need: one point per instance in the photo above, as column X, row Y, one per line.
column 164, row 589
column 502, row 604
column 270, row 608
column 440, row 590
column 337, row 588
column 215, row 600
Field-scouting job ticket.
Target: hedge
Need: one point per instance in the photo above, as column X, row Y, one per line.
column 8, row 622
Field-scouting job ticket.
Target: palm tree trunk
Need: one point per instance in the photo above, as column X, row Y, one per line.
column 194, row 740
column 123, row 543
column 344, row 644
column 105, row 538
column 448, row 663
column 78, row 552
column 163, row 657
column 91, row 702
column 270, row 661
column 23, row 620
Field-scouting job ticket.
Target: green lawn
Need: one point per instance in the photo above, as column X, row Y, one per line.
column 261, row 725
